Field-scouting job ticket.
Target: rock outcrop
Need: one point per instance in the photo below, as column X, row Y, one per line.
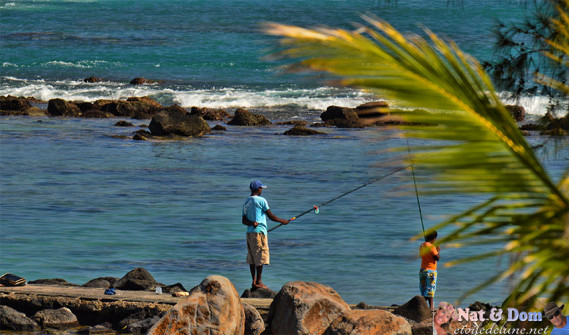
column 415, row 309
column 243, row 117
column 213, row 307
column 369, row 322
column 138, row 279
column 304, row 308
column 173, row 122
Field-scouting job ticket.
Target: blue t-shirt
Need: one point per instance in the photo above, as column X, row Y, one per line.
column 561, row 331
column 255, row 209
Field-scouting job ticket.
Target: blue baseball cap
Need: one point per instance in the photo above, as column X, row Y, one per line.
column 255, row 184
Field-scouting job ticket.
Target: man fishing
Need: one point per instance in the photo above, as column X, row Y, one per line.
column 428, row 273
column 255, row 213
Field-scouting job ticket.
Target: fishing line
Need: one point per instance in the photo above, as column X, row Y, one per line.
column 415, row 183
column 316, row 208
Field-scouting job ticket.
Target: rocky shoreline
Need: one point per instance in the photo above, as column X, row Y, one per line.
column 131, row 305
column 175, row 122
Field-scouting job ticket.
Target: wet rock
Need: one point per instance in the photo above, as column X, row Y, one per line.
column 11, row 319
column 415, row 309
column 178, row 287
column 11, row 103
column 219, row 128
column 102, row 282
column 259, row 293
column 138, row 279
column 61, row 318
column 60, row 107
column 369, row 322
column 213, row 307
column 517, row 112
column 293, row 123
column 210, row 114
column 342, row 117
column 304, row 308
column 302, row 131
column 104, row 329
column 176, row 123
column 123, row 123
column 142, row 81
column 254, row 324
column 92, row 79
column 134, row 107
column 245, row 118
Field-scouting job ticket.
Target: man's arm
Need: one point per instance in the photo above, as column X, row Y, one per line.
column 275, row 218
column 246, row 222
column 437, row 255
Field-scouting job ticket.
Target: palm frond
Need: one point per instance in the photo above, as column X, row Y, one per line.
column 472, row 145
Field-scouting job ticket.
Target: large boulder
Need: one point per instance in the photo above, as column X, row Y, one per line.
column 415, row 309
column 304, row 308
column 173, row 122
column 138, row 279
column 213, row 307
column 243, row 117
column 254, row 324
column 342, row 117
column 60, row 107
column 368, row 322
column 101, row 282
column 61, row 318
column 134, row 107
column 11, row 319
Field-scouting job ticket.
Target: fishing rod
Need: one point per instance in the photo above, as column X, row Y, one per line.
column 316, row 208
column 416, row 191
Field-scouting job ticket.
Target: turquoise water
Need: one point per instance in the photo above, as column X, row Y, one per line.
column 78, row 203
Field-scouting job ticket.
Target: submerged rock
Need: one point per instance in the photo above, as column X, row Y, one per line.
column 302, row 131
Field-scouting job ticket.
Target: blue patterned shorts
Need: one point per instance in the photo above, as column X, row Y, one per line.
column 428, row 282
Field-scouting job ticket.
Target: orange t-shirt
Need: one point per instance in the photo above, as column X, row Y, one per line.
column 427, row 251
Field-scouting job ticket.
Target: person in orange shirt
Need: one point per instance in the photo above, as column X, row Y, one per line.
column 428, row 274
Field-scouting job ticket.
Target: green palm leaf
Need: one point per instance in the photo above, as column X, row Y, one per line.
column 474, row 145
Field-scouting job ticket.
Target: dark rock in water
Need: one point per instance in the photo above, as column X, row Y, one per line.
column 11, row 319
column 123, row 123
column 245, row 118
column 254, row 324
column 363, row 305
column 61, row 318
column 11, row 103
column 138, row 279
column 142, row 81
column 302, row 131
column 135, row 107
column 219, row 128
column 102, row 282
column 177, row 123
column 293, row 123
column 372, row 110
column 104, row 329
column 92, row 79
column 60, row 107
column 517, row 112
column 259, row 293
column 54, row 281
column 210, row 114
column 415, row 309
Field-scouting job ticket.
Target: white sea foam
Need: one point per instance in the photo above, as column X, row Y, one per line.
column 225, row 97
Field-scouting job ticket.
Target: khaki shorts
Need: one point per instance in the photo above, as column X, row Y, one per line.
column 257, row 249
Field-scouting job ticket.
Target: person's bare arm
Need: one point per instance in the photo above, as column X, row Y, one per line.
column 246, row 222
column 275, row 218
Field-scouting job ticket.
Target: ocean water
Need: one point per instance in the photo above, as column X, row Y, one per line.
column 78, row 201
